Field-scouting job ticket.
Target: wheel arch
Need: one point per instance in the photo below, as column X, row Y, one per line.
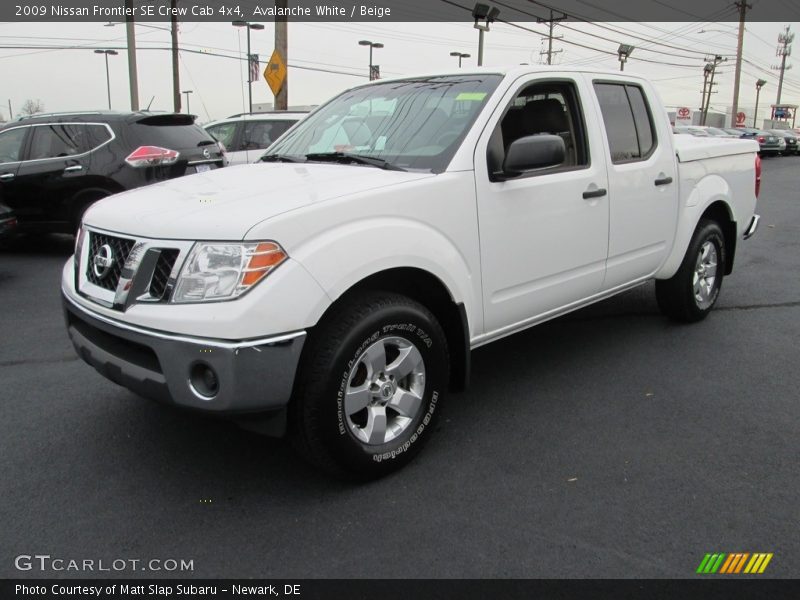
column 720, row 212
column 430, row 291
column 717, row 209
column 82, row 199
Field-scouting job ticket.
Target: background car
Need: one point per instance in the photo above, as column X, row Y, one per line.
column 8, row 222
column 769, row 143
column 246, row 136
column 741, row 132
column 691, row 130
column 791, row 140
column 53, row 167
column 719, row 132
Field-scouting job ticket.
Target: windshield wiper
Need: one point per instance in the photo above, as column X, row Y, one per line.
column 345, row 158
column 279, row 158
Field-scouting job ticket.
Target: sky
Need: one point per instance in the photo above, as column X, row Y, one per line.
column 325, row 58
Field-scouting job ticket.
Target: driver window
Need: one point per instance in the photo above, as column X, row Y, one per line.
column 542, row 108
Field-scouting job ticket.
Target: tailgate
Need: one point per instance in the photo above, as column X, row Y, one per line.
column 198, row 150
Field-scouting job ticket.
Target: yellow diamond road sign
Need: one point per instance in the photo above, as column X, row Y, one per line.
column 275, row 73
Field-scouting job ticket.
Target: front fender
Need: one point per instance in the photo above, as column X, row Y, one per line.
column 346, row 254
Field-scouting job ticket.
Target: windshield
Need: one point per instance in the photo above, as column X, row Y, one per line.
column 409, row 124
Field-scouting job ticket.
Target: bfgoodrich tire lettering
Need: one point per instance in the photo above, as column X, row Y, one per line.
column 370, row 387
column 692, row 292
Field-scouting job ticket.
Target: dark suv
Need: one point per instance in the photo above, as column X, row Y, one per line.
column 52, row 167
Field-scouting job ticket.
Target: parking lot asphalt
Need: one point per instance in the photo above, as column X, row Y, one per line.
column 609, row 443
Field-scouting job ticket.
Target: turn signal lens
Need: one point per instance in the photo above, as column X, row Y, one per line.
column 152, row 156
column 266, row 257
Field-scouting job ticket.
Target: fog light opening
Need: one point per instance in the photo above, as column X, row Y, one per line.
column 203, row 381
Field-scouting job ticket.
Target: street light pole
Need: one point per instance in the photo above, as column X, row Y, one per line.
column 372, row 75
column 624, row 51
column 460, row 55
column 106, row 53
column 488, row 15
column 187, row 92
column 249, row 26
column 133, row 76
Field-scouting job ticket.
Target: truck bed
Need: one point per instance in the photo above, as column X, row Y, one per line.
column 689, row 148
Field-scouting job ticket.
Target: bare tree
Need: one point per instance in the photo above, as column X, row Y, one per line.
column 31, row 107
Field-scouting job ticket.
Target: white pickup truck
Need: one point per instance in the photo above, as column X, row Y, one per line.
column 336, row 289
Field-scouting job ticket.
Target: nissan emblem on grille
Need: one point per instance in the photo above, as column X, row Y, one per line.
column 103, row 261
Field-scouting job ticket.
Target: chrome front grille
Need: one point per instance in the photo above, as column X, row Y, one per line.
column 107, row 256
column 163, row 269
column 118, row 272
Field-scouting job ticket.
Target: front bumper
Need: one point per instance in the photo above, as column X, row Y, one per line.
column 251, row 375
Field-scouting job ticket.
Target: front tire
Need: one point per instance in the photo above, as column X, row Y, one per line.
column 370, row 386
column 692, row 292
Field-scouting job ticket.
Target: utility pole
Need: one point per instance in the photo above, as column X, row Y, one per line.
column 551, row 23
column 742, row 6
column 759, row 84
column 784, row 50
column 133, row 77
column 706, row 73
column 717, row 59
column 282, row 46
column 176, row 78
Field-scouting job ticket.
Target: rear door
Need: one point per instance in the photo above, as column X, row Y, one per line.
column 643, row 181
column 12, row 145
column 54, row 170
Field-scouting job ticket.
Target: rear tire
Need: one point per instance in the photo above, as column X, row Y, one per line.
column 691, row 293
column 370, row 386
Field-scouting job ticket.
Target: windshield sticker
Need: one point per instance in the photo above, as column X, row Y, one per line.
column 471, row 96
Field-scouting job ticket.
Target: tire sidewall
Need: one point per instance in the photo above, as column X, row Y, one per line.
column 416, row 326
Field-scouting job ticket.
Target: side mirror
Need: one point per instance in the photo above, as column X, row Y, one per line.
column 533, row 152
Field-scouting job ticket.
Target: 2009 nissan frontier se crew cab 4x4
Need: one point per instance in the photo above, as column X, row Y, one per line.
column 338, row 286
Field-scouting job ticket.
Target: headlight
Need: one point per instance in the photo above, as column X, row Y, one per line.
column 224, row 271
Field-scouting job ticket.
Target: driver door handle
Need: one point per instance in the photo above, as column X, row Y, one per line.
column 6, row 176
column 73, row 169
column 663, row 181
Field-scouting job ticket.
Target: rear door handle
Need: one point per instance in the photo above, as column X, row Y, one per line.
column 663, row 181
column 6, row 176
column 599, row 193
column 73, row 169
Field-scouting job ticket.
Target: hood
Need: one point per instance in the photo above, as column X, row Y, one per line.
column 225, row 203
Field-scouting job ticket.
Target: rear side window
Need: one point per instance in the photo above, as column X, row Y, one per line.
column 628, row 121
column 11, row 144
column 258, row 135
column 60, row 139
column 224, row 133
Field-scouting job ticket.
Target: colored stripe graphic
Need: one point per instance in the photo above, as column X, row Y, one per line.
column 730, row 564
column 727, row 564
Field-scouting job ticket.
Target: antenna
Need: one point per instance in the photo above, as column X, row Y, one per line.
column 151, row 103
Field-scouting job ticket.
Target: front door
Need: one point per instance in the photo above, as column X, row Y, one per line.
column 543, row 234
